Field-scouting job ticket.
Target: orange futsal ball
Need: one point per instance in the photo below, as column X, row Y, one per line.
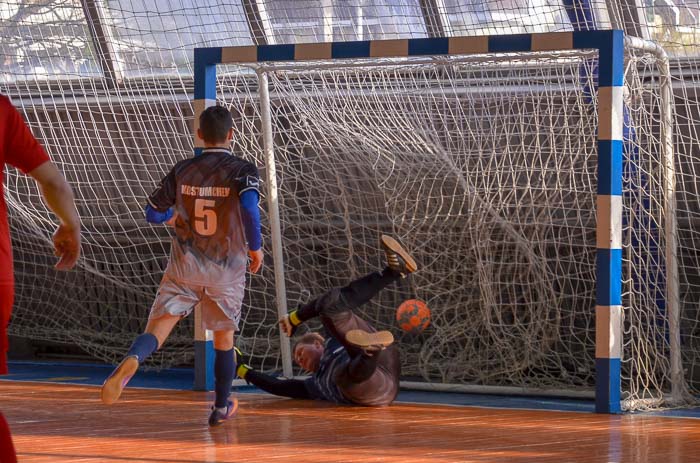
column 413, row 316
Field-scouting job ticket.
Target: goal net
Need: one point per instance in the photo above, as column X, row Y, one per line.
column 485, row 168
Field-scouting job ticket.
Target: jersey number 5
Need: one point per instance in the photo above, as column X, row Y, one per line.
column 205, row 217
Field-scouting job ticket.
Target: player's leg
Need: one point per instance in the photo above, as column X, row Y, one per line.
column 143, row 346
column 224, row 372
column 336, row 307
column 372, row 380
column 174, row 301
column 221, row 311
column 7, row 291
column 371, row 376
column 360, row 291
column 7, row 297
column 361, row 340
column 7, row 449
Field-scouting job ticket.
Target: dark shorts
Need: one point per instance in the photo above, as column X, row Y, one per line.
column 382, row 387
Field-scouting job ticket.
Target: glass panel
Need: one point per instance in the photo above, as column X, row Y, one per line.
column 675, row 24
column 484, row 17
column 44, row 40
column 158, row 37
column 301, row 21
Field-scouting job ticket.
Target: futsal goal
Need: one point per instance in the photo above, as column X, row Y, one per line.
column 531, row 176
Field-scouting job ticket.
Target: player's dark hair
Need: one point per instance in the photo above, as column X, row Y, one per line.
column 215, row 122
column 308, row 338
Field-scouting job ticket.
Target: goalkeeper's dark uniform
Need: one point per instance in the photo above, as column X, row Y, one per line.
column 346, row 373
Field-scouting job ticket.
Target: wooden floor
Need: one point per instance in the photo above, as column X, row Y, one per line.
column 63, row 423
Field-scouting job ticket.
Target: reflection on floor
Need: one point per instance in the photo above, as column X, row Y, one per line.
column 182, row 379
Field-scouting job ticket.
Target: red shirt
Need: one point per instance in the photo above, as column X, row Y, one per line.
column 18, row 148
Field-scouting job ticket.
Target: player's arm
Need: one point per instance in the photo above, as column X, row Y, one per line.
column 249, row 195
column 157, row 217
column 159, row 208
column 59, row 197
column 26, row 154
column 292, row 388
column 291, row 322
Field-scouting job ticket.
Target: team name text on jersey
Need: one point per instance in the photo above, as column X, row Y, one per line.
column 212, row 191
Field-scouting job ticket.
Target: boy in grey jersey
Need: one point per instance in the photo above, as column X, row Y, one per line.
column 212, row 202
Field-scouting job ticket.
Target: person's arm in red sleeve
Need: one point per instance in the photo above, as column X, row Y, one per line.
column 59, row 197
column 24, row 152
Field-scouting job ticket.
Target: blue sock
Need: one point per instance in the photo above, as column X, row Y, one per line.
column 143, row 346
column 223, row 376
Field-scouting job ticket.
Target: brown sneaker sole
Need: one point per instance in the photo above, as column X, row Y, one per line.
column 390, row 243
column 371, row 341
column 114, row 385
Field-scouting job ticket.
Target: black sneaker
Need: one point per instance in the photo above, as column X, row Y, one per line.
column 217, row 418
column 370, row 342
column 397, row 257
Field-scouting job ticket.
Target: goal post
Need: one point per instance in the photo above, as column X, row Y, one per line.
column 606, row 71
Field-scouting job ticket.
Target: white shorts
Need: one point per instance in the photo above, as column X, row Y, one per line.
column 220, row 307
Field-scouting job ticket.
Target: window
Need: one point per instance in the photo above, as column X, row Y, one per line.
column 45, row 40
column 675, row 24
column 344, row 20
column 491, row 17
column 159, row 37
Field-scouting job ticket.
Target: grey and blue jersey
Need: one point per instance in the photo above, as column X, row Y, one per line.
column 323, row 385
column 210, row 246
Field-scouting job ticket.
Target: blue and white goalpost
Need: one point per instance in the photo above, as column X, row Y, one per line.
column 442, row 99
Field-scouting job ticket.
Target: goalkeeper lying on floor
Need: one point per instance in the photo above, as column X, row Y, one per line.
column 356, row 364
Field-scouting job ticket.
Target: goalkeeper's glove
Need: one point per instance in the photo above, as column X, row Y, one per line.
column 241, row 368
column 290, row 323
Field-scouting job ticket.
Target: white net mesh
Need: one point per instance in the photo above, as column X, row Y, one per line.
column 486, row 169
column 106, row 87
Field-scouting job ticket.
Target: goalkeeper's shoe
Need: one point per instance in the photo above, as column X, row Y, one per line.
column 397, row 257
column 370, row 343
column 218, row 416
column 117, row 381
